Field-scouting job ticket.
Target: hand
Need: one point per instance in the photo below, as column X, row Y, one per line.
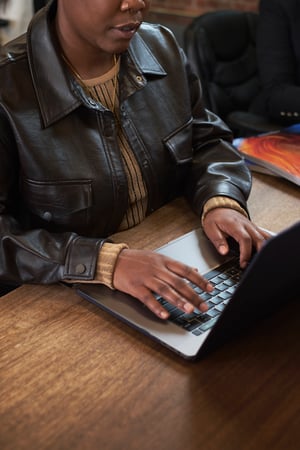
column 143, row 274
column 220, row 223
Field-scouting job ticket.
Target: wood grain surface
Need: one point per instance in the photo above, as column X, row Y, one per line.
column 72, row 377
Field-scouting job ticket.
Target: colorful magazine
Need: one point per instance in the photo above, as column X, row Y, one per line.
column 276, row 153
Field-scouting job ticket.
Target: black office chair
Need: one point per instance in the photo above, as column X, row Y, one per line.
column 38, row 4
column 221, row 47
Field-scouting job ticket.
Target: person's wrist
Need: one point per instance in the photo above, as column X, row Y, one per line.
column 221, row 202
column 106, row 262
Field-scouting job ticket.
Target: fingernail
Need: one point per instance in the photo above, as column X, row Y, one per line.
column 222, row 249
column 188, row 307
column 203, row 307
column 164, row 314
column 209, row 287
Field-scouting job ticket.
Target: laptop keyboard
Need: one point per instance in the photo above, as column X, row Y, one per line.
column 225, row 279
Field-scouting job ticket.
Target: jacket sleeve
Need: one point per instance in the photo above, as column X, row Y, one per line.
column 35, row 255
column 277, row 39
column 217, row 167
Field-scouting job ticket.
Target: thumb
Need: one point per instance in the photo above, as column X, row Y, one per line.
column 222, row 247
column 220, row 243
column 217, row 238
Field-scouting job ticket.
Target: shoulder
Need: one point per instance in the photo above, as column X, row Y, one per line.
column 157, row 41
column 156, row 34
column 14, row 68
column 13, row 51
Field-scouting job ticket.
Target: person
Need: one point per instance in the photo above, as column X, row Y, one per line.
column 278, row 56
column 101, row 123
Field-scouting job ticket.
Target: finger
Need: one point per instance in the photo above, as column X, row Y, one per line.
column 188, row 273
column 253, row 237
column 262, row 237
column 150, row 301
column 221, row 245
column 218, row 239
column 180, row 294
column 177, row 285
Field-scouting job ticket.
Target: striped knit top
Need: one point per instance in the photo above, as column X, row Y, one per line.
column 105, row 89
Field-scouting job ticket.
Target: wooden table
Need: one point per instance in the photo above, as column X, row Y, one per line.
column 72, row 377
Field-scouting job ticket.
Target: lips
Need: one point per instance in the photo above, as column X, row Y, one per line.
column 128, row 29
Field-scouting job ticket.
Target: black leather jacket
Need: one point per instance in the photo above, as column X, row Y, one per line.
column 62, row 183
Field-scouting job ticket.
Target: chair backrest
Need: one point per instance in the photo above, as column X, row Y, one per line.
column 38, row 4
column 221, row 47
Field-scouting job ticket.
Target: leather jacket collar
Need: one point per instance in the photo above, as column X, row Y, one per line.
column 58, row 99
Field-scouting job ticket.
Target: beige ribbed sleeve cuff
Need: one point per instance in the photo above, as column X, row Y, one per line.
column 106, row 262
column 222, row 202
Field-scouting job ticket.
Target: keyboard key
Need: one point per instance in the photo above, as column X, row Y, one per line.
column 225, row 280
column 224, row 295
column 216, row 280
column 216, row 300
column 206, row 326
column 213, row 313
column 220, row 307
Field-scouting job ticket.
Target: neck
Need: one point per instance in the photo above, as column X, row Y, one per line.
column 86, row 69
column 90, row 74
column 86, row 62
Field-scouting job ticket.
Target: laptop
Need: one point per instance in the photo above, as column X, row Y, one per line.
column 240, row 299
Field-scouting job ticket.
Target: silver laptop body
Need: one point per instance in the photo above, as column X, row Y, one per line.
column 264, row 286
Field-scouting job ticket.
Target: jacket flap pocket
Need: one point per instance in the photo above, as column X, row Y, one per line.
column 58, row 197
column 179, row 143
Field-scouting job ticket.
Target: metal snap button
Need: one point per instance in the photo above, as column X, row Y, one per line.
column 47, row 216
column 80, row 269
